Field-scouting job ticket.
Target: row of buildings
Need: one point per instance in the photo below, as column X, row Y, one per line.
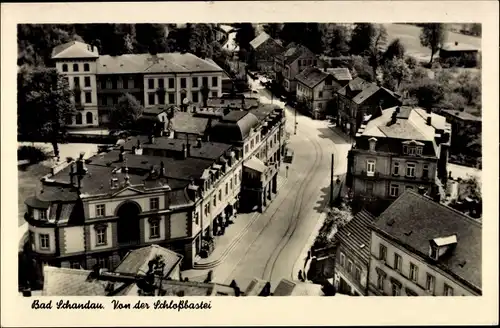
column 321, row 88
column 177, row 189
column 416, row 247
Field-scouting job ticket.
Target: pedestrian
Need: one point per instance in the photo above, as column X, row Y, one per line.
column 287, row 171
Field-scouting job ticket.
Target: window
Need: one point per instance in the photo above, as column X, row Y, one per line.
column 75, row 67
column 231, row 184
column 100, row 210
column 342, row 259
column 448, row 291
column 101, row 236
column 120, row 83
column 87, row 81
column 205, row 81
column 78, row 118
column 419, row 151
column 300, row 62
column 430, row 283
column 194, row 96
column 434, row 252
column 397, row 262
column 320, row 105
column 171, row 98
column 195, row 82
column 425, row 171
column 161, row 99
column 320, row 94
column 42, row 215
column 44, row 241
column 413, row 272
column 349, row 266
column 215, row 200
column 151, row 98
column 357, row 274
column 394, row 190
column 246, row 149
column 369, row 187
column 161, row 83
column 227, row 188
column 154, row 228
column 183, row 82
column 396, row 289
column 380, row 281
column 65, row 67
column 86, row 67
column 154, row 203
column 125, row 83
column 370, row 168
column 89, row 117
column 115, row 84
column 251, row 144
column 410, row 169
column 109, row 84
column 220, row 194
column 214, row 94
column 88, row 97
column 76, row 81
column 382, row 252
column 151, row 84
column 396, row 168
column 257, row 139
column 215, row 81
column 171, row 83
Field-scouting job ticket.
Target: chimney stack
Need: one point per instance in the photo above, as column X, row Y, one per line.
column 394, row 117
column 188, row 150
column 138, row 144
column 429, row 120
column 456, row 43
column 120, row 155
column 421, row 190
column 398, row 109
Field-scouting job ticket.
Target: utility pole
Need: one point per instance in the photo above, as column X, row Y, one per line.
column 331, row 183
column 295, row 127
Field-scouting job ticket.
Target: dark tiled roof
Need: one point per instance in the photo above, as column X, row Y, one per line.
column 136, row 261
column 72, row 282
column 294, row 51
column 358, row 90
column 235, row 126
column 187, row 123
column 263, row 111
column 356, row 233
column 162, row 63
column 417, row 219
column 311, row 76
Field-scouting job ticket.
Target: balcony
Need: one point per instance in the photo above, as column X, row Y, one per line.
column 118, row 91
column 370, row 175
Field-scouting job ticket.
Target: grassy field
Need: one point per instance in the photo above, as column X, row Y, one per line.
column 410, row 37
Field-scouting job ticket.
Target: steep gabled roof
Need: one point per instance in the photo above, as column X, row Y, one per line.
column 356, row 235
column 260, row 39
column 340, row 73
column 311, row 76
column 136, row 261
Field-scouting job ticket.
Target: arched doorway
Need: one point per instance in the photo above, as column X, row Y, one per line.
column 89, row 118
column 128, row 226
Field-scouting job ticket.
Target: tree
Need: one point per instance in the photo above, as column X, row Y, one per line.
column 362, row 38
column 308, row 34
column 428, row 92
column 476, row 29
column 433, row 36
column 125, row 113
column 362, row 68
column 44, row 104
column 336, row 39
column 151, row 38
column 395, row 50
column 394, row 73
column 244, row 35
column 273, row 29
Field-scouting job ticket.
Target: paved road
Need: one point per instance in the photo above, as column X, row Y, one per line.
column 278, row 238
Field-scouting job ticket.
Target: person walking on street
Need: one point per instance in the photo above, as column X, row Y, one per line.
column 286, row 171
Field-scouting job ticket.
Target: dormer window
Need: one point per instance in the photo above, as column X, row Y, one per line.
column 42, row 215
column 440, row 246
column 412, row 148
column 372, row 142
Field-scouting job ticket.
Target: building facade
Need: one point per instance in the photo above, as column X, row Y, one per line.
column 404, row 148
column 360, row 98
column 155, row 80
column 422, row 248
column 176, row 193
column 263, row 50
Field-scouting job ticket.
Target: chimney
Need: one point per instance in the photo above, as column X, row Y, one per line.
column 184, row 151
column 151, row 139
column 428, row 110
column 394, row 117
column 198, row 142
column 162, row 169
column 243, row 103
column 188, row 150
column 72, row 173
column 429, row 120
column 80, row 165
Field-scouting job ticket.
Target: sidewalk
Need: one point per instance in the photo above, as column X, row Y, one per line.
column 226, row 243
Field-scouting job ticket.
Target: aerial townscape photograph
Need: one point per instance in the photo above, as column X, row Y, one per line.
column 249, row 159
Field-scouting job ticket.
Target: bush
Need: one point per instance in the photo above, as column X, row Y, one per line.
column 31, row 153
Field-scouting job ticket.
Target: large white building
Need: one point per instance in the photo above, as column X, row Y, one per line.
column 155, row 80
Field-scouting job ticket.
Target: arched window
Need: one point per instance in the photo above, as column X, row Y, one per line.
column 89, row 118
column 79, row 118
column 65, row 67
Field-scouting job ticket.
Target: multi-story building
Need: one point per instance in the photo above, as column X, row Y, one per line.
column 360, row 98
column 293, row 60
column 155, row 80
column 317, row 87
column 262, row 52
column 403, row 148
column 172, row 192
column 352, row 256
column 422, row 248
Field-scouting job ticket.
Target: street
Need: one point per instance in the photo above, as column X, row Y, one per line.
column 274, row 244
